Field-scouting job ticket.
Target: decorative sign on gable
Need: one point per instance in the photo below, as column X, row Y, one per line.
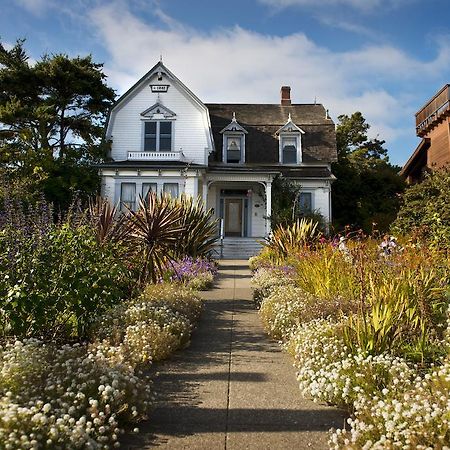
column 159, row 87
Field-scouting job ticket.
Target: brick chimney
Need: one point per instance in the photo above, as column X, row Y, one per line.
column 285, row 96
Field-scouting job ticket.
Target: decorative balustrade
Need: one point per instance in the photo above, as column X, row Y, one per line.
column 155, row 156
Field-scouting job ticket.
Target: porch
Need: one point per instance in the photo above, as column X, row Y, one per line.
column 241, row 203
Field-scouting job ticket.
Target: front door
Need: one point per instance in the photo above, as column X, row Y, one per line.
column 233, row 217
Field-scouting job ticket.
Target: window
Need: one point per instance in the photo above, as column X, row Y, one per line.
column 158, row 136
column 289, row 145
column 171, row 189
column 128, row 196
column 305, row 203
column 233, row 149
column 148, row 187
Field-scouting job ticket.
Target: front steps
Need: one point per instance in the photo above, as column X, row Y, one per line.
column 240, row 248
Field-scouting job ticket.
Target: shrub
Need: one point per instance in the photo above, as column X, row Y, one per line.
column 54, row 280
column 424, row 209
column 179, row 298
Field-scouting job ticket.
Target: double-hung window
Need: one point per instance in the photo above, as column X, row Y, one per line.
column 158, row 136
column 148, row 187
column 128, row 196
column 171, row 189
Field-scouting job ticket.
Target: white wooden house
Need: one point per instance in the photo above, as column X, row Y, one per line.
column 165, row 139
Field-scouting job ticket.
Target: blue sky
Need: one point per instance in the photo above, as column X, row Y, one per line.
column 384, row 58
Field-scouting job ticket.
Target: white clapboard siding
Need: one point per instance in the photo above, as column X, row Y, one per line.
column 191, row 129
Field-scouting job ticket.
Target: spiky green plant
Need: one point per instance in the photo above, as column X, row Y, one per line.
column 289, row 239
column 199, row 234
column 154, row 231
column 107, row 225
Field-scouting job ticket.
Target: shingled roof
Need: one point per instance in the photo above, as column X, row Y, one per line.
column 262, row 121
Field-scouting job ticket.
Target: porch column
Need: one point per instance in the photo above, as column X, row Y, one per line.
column 268, row 205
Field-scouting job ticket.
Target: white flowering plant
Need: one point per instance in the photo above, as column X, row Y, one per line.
column 265, row 279
column 151, row 327
column 70, row 396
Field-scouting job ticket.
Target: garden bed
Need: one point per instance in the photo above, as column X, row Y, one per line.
column 368, row 333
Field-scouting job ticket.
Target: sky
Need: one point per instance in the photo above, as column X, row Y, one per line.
column 385, row 58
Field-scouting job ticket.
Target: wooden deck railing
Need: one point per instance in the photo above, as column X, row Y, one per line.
column 437, row 106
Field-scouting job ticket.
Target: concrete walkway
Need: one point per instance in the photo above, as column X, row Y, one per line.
column 233, row 388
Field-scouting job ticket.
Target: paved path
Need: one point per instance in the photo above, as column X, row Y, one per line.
column 233, row 388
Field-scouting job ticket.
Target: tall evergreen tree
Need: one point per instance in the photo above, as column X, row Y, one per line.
column 52, row 115
column 367, row 186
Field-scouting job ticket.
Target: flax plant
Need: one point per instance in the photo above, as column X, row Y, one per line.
column 289, row 240
column 154, row 231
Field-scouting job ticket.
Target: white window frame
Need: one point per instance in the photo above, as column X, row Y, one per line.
column 234, row 135
column 158, row 135
column 298, row 141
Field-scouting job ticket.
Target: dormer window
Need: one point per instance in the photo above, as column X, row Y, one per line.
column 290, row 143
column 234, row 142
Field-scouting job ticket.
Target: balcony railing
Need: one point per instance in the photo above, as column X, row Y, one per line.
column 433, row 110
column 155, row 156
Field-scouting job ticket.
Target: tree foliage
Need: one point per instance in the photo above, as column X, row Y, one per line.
column 52, row 115
column 367, row 186
column 424, row 209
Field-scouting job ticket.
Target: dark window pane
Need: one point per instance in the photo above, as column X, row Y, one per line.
column 289, row 154
column 165, row 127
column 150, row 128
column 165, row 143
column 233, row 156
column 150, row 144
column 305, row 202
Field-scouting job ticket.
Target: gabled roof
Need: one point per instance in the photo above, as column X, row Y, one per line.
column 234, row 126
column 158, row 108
column 158, row 67
column 290, row 127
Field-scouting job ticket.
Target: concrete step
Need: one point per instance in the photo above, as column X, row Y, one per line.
column 240, row 248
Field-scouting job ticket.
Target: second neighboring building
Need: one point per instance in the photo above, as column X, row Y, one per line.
column 433, row 126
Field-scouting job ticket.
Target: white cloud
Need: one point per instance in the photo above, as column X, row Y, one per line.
column 36, row 7
column 362, row 5
column 238, row 65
